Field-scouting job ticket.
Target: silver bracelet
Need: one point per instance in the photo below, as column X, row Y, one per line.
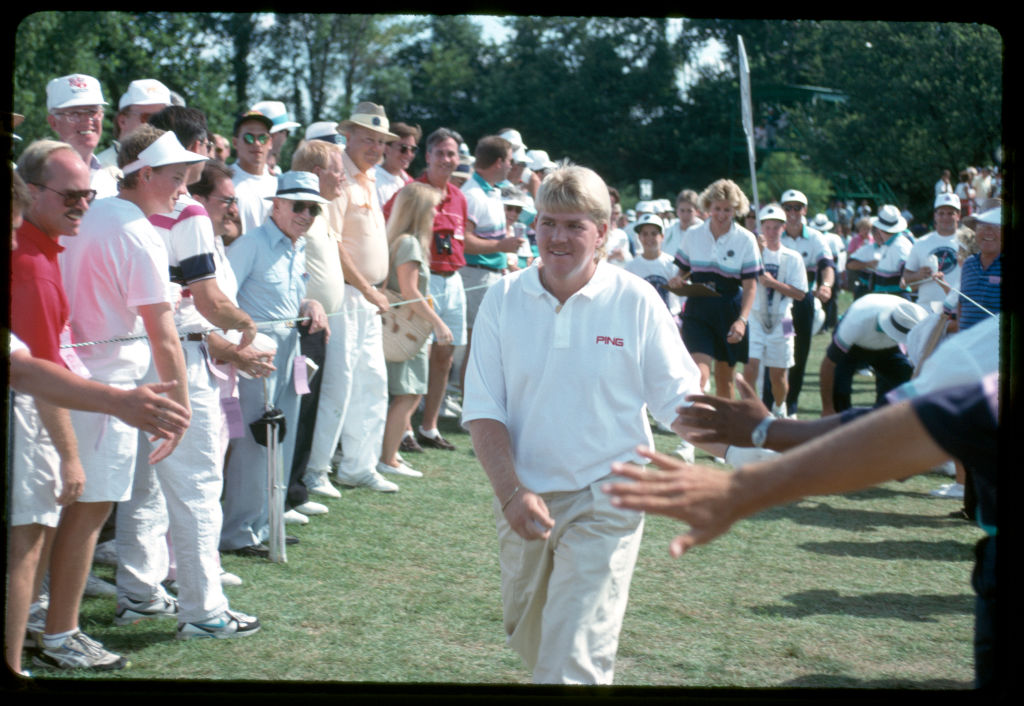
column 511, row 497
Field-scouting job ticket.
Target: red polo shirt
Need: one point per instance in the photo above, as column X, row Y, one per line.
column 39, row 307
column 449, row 226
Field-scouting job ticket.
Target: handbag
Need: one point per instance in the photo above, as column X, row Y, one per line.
column 404, row 331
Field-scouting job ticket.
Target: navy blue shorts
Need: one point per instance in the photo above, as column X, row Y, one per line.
column 706, row 324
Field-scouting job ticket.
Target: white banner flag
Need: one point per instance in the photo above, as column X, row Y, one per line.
column 748, row 119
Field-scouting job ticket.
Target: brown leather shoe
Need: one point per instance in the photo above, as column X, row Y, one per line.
column 409, row 445
column 438, row 442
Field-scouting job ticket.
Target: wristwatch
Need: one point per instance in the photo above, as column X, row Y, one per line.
column 760, row 433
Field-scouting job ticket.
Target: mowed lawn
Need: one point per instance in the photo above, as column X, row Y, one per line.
column 868, row 590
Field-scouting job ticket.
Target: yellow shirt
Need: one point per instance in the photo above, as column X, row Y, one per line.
column 357, row 217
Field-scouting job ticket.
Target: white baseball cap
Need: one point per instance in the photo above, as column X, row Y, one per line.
column 165, row 150
column 649, row 218
column 947, row 199
column 277, row 113
column 792, row 195
column 539, row 160
column 771, row 212
column 74, row 89
column 145, row 91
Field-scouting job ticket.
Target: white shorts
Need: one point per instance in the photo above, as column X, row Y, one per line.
column 34, row 475
column 107, row 447
column 775, row 348
column 450, row 304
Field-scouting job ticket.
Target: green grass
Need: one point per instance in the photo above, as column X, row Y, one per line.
column 868, row 590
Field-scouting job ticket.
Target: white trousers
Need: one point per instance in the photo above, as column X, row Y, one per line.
column 180, row 494
column 334, row 388
column 564, row 598
column 366, row 404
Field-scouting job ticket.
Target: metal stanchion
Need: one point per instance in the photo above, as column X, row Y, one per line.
column 269, row 430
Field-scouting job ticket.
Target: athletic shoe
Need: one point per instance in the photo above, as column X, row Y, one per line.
column 318, row 484
column 95, row 586
column 311, row 508
column 685, row 450
column 949, row 490
column 434, row 442
column 228, row 624
column 372, row 480
column 450, row 409
column 79, row 651
column 36, row 625
column 105, row 553
column 294, row 517
column 400, row 470
column 409, row 445
column 229, row 579
column 261, row 551
column 130, row 611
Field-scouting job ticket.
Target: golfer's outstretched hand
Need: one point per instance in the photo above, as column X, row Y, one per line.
column 697, row 495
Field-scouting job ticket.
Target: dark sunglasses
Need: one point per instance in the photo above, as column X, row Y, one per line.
column 792, row 207
column 406, row 149
column 249, row 138
column 300, row 206
column 71, row 198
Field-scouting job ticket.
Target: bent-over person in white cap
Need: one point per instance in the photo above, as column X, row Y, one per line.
column 144, row 98
column 548, row 416
column 75, row 106
column 115, row 275
column 869, row 334
column 269, row 263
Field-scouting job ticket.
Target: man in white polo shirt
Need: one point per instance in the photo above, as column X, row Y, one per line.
column 550, row 412
column 75, row 105
column 144, row 97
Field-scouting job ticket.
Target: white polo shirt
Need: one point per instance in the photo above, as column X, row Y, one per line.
column 570, row 382
column 785, row 265
column 944, row 248
column 859, row 325
column 812, row 248
column 723, row 262
column 253, row 192
column 115, row 264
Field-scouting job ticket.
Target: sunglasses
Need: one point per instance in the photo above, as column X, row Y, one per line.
column 792, row 207
column 71, row 198
column 406, row 149
column 249, row 138
column 300, row 206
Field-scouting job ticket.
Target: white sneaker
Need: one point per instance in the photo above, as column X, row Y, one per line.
column 318, row 484
column 95, row 586
column 950, row 490
column 372, row 480
column 293, row 517
column 105, row 553
column 400, row 470
column 311, row 508
column 229, row 579
column 230, row 623
column 685, row 450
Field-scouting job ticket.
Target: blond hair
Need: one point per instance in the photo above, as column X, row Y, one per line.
column 413, row 214
column 313, row 153
column 725, row 190
column 571, row 188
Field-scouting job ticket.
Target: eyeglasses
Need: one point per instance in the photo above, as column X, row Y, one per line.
column 792, row 207
column 406, row 149
column 249, row 138
column 71, row 198
column 300, row 206
column 228, row 201
column 80, row 115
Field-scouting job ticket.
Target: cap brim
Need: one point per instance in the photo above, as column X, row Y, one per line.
column 348, row 124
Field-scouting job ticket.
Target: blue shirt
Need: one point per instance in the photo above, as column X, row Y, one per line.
column 271, row 272
column 983, row 286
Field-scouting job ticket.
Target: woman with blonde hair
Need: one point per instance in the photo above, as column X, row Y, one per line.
column 410, row 235
column 724, row 257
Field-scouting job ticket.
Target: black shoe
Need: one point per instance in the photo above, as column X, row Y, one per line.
column 261, row 551
column 438, row 442
column 288, row 539
column 409, row 445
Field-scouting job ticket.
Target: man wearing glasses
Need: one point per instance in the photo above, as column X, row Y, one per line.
column 269, row 263
column 393, row 172
column 75, row 104
column 817, row 260
column 144, row 97
column 254, row 184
